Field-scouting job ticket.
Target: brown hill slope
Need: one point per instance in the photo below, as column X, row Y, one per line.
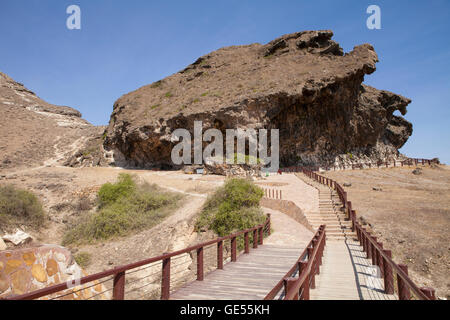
column 36, row 133
column 301, row 83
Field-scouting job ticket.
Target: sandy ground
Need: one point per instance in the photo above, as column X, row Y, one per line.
column 294, row 189
column 411, row 215
column 286, row 231
column 61, row 189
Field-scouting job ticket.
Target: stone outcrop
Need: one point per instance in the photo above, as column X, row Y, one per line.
column 36, row 133
column 302, row 84
column 31, row 269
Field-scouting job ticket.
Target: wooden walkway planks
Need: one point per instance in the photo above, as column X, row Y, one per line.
column 346, row 274
column 253, row 275
column 250, row 278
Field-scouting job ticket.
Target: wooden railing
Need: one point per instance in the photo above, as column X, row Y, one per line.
column 362, row 165
column 301, row 277
column 382, row 258
column 273, row 193
column 118, row 273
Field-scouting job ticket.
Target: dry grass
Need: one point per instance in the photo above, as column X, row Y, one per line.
column 411, row 216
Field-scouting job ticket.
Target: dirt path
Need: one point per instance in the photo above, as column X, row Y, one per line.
column 294, row 189
column 287, row 231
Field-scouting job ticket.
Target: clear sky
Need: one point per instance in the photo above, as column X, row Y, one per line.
column 123, row 45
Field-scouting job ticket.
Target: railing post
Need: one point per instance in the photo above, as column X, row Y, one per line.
column 200, row 264
column 403, row 291
column 363, row 240
column 353, row 220
column 380, row 259
column 119, row 286
column 165, row 281
column 315, row 264
column 374, row 251
column 255, row 239
column 388, row 275
column 429, row 292
column 288, row 283
column 247, row 249
column 233, row 249
column 369, row 247
column 261, row 235
column 220, row 255
column 302, row 265
column 349, row 210
column 312, row 274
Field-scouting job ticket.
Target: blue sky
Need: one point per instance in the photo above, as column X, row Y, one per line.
column 123, row 45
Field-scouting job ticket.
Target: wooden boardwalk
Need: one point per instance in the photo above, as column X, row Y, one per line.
column 346, row 274
column 253, row 275
column 250, row 278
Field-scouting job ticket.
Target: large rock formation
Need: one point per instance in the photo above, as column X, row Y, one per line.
column 36, row 133
column 301, row 83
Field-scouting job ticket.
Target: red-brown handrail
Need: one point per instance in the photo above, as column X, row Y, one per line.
column 119, row 272
column 298, row 288
column 374, row 249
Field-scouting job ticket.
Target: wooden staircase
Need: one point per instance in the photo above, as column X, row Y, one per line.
column 330, row 213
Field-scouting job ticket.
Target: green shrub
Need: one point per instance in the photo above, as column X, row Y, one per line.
column 109, row 193
column 124, row 207
column 245, row 158
column 83, row 259
column 233, row 207
column 20, row 207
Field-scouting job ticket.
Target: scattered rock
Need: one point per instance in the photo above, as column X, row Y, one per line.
column 377, row 189
column 18, row 238
column 417, row 171
column 347, row 184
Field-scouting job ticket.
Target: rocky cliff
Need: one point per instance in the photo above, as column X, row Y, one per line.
column 302, row 84
column 36, row 133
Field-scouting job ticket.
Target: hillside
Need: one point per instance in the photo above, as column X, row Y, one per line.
column 36, row 133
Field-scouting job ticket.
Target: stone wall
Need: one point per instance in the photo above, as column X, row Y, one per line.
column 289, row 208
column 27, row 270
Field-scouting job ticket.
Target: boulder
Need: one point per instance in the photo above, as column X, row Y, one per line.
column 301, row 83
column 18, row 237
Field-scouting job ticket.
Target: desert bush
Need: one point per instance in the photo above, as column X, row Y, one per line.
column 83, row 259
column 20, row 207
column 233, row 207
column 111, row 192
column 123, row 207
